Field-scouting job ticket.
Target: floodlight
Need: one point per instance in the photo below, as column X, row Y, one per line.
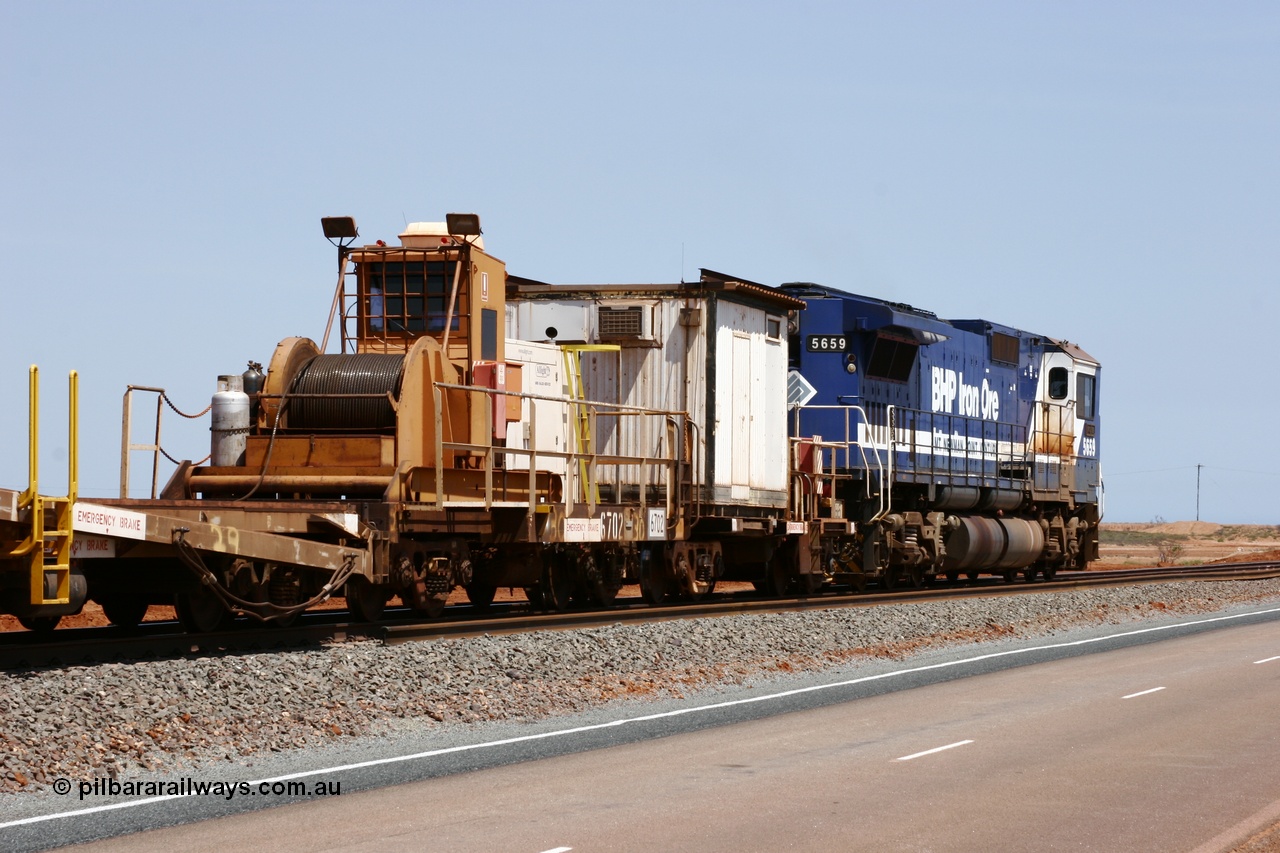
column 339, row 227
column 463, row 224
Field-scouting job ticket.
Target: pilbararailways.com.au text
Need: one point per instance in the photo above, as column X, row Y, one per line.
column 188, row 787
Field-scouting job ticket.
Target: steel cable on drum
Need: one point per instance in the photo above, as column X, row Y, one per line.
column 372, row 370
column 352, row 391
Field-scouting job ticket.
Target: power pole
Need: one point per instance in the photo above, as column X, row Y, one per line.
column 1198, row 467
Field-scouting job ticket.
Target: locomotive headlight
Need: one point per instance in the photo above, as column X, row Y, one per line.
column 850, row 364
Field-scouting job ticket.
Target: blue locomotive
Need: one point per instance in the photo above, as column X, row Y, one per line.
column 927, row 447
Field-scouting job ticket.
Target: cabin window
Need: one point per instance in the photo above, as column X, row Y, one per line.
column 1085, row 385
column 773, row 328
column 1004, row 348
column 892, row 358
column 1058, row 383
column 407, row 297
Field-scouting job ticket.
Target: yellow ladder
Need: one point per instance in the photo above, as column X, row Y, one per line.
column 582, row 418
column 49, row 545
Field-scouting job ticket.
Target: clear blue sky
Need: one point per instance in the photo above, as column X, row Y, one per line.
column 1102, row 172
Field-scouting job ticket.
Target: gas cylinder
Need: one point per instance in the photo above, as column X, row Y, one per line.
column 230, row 427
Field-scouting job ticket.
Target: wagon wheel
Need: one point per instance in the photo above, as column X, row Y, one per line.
column 1029, row 574
column 534, row 594
column 39, row 624
column 915, row 575
column 124, row 610
column 1010, row 575
column 892, row 577
column 653, row 581
column 557, row 582
column 365, row 600
column 603, row 578
column 952, row 577
column 480, row 594
column 1049, row 572
column 200, row 611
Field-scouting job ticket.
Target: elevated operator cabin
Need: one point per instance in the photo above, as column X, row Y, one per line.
column 434, row 284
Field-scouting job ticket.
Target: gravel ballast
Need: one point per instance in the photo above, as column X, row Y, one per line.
column 155, row 717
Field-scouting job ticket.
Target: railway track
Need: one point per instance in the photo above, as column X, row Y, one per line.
column 22, row 650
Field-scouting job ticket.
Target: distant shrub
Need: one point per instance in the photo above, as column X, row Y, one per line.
column 1167, row 553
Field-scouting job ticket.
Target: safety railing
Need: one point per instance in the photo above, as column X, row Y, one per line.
column 947, row 449
column 48, row 547
column 582, row 468
column 128, row 446
column 843, row 450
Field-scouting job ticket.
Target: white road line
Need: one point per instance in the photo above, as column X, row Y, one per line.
column 558, row 850
column 646, row 718
column 1143, row 693
column 1268, row 660
column 935, row 749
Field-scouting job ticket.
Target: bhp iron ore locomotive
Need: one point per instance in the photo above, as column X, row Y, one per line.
column 480, row 430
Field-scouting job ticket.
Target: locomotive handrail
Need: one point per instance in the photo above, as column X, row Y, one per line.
column 851, row 441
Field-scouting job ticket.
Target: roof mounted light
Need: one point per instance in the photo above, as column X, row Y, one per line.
column 339, row 228
column 463, row 224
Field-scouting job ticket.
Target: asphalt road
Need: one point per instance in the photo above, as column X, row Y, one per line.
column 1155, row 741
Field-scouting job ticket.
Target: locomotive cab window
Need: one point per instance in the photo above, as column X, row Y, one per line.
column 1058, row 383
column 1085, row 385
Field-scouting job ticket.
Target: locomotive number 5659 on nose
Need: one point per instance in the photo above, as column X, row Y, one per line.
column 826, row 343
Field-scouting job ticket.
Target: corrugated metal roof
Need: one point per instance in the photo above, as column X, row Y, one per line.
column 1075, row 352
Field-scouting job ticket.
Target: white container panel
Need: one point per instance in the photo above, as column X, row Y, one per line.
column 542, row 373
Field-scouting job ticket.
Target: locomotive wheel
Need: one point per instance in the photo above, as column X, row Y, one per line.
column 124, row 610
column 810, row 584
column 534, row 594
column 480, row 594
column 39, row 624
column 365, row 601
column 200, row 611
column 557, row 583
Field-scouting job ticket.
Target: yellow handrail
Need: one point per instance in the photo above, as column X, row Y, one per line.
column 36, row 504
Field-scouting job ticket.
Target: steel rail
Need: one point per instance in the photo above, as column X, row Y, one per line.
column 23, row 650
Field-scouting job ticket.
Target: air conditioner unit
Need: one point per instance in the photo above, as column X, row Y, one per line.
column 622, row 323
